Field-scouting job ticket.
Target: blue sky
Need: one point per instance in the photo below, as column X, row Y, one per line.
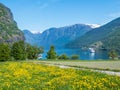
column 38, row 15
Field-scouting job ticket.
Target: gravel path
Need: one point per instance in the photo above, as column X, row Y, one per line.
column 66, row 65
column 108, row 72
column 101, row 71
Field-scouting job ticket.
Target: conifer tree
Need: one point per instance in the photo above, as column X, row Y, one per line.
column 51, row 54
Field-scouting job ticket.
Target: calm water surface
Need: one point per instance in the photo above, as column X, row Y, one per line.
column 84, row 54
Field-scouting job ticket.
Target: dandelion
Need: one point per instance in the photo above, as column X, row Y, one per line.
column 31, row 76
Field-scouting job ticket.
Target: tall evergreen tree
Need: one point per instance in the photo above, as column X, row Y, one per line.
column 51, row 54
column 4, row 52
column 18, row 50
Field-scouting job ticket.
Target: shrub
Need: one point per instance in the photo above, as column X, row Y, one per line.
column 75, row 57
column 63, row 56
column 113, row 54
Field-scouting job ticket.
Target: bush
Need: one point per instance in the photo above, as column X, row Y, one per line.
column 11, row 59
column 75, row 57
column 113, row 54
column 63, row 56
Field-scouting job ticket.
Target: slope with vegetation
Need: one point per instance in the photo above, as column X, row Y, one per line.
column 104, row 37
column 9, row 31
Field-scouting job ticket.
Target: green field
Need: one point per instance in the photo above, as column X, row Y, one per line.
column 36, row 76
column 103, row 65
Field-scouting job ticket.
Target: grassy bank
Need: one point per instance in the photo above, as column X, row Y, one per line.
column 110, row 65
column 33, row 76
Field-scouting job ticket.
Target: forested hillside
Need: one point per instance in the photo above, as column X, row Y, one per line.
column 105, row 37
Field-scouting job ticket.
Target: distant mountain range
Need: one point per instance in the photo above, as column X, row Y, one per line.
column 9, row 31
column 31, row 38
column 104, row 37
column 74, row 36
column 57, row 36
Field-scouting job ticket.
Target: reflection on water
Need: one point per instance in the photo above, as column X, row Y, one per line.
column 84, row 55
column 91, row 55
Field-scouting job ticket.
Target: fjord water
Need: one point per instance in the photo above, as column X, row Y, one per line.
column 83, row 54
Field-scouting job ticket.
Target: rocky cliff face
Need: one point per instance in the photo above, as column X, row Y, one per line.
column 58, row 36
column 9, row 31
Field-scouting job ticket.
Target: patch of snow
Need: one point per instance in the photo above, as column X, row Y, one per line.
column 94, row 25
column 35, row 32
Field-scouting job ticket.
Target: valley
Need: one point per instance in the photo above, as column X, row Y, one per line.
column 68, row 55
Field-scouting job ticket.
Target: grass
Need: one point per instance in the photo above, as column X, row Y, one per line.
column 34, row 76
column 109, row 65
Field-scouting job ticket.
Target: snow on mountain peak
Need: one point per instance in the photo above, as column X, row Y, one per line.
column 94, row 25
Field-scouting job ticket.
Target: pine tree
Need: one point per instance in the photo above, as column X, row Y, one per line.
column 51, row 54
column 4, row 52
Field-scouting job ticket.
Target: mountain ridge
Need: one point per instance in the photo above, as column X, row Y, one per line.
column 101, row 35
column 60, row 36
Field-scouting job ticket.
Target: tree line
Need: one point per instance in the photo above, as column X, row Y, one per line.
column 51, row 54
column 19, row 51
column 23, row 51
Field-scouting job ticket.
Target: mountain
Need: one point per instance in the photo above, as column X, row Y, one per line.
column 58, row 36
column 9, row 31
column 32, row 38
column 105, row 37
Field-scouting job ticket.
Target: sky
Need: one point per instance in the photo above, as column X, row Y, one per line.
column 39, row 15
